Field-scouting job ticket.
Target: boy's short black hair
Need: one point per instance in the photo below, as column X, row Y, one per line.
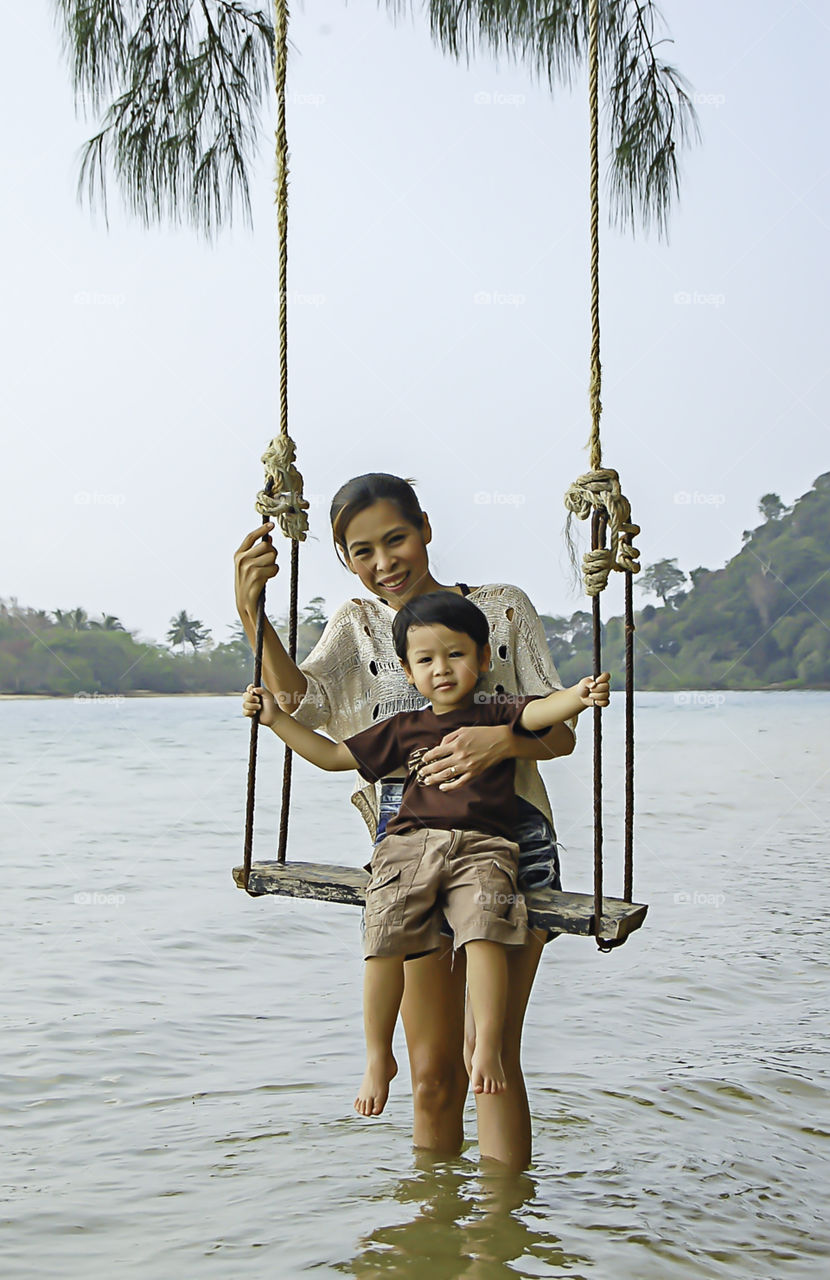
column 444, row 608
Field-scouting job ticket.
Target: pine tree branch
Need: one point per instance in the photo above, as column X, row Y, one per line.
column 181, row 84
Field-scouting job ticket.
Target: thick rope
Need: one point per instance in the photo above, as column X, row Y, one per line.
column 252, row 748
column 600, row 490
column 595, row 443
column 598, row 524
column 282, row 496
column 628, row 873
column 598, row 494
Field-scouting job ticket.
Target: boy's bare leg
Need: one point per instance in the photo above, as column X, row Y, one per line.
column 487, row 986
column 382, row 994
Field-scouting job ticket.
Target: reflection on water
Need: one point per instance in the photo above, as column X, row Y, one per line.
column 459, row 1225
column 179, row 1061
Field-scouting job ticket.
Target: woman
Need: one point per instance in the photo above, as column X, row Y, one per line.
column 352, row 679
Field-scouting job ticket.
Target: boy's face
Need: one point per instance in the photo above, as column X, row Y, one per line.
column 444, row 665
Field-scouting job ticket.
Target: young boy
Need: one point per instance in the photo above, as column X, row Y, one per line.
column 445, row 851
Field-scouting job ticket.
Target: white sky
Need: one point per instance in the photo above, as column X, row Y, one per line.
column 140, row 366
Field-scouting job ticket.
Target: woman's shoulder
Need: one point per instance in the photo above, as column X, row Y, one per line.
column 498, row 596
column 358, row 611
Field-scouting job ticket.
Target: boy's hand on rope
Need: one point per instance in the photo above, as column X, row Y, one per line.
column 595, row 691
column 263, row 701
column 254, row 563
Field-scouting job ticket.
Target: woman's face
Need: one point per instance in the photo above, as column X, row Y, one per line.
column 388, row 554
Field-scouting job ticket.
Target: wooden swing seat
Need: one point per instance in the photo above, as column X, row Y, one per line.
column 563, row 912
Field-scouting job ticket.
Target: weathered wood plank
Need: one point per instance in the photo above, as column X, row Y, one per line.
column 564, row 912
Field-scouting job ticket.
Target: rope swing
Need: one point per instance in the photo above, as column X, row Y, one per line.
column 281, row 499
column 597, row 494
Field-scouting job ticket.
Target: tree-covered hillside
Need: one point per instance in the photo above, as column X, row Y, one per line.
column 762, row 621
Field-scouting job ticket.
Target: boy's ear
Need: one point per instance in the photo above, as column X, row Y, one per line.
column 485, row 659
column 426, row 529
column 407, row 670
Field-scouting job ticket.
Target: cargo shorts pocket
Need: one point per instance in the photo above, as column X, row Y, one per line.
column 382, row 892
column 497, row 894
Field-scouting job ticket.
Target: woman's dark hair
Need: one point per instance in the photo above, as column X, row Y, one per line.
column 364, row 491
column 443, row 608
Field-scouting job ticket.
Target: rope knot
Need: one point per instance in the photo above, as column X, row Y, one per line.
column 597, row 490
column 285, row 502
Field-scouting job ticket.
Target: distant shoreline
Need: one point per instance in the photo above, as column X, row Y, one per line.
column 107, row 697
column 149, row 693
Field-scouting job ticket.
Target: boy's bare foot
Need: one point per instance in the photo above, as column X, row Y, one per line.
column 374, row 1088
column 487, row 1073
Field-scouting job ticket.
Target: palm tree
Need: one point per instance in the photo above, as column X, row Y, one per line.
column 107, row 623
column 179, row 87
column 72, row 619
column 186, row 630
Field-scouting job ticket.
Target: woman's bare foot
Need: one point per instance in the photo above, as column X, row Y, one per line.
column 487, row 1073
column 374, row 1088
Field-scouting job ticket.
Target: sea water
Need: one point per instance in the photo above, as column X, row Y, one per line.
column 179, row 1060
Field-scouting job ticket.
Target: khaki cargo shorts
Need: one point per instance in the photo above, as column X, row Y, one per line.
column 470, row 876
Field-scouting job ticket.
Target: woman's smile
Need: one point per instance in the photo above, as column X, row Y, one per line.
column 388, row 554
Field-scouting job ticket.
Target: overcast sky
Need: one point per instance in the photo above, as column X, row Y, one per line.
column 139, row 388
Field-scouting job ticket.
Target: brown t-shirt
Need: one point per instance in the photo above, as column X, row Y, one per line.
column 486, row 803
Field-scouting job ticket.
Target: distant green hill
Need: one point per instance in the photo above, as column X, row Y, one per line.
column 763, row 621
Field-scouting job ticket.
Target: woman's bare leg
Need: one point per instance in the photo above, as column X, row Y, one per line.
column 382, row 991
column 504, row 1118
column 433, row 1017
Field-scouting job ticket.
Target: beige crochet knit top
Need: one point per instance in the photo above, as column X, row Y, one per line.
column 355, row 679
